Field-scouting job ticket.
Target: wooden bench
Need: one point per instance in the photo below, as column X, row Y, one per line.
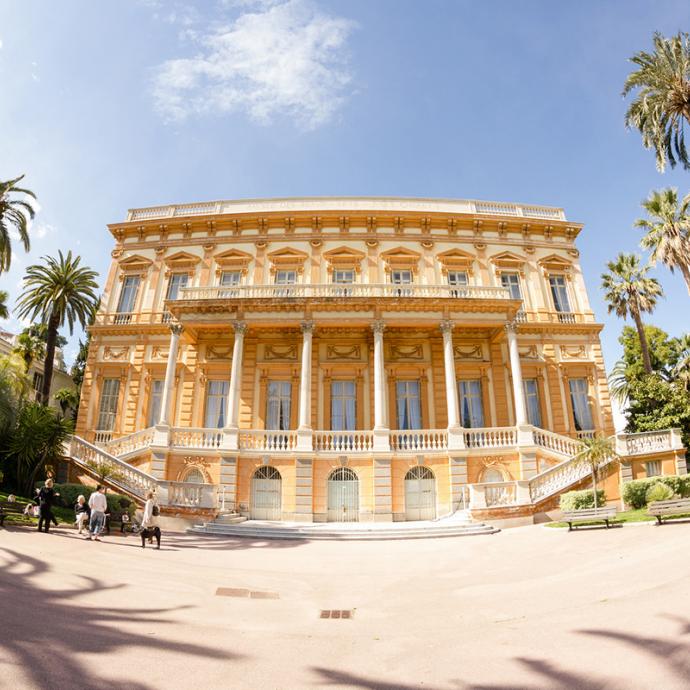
column 674, row 506
column 6, row 508
column 604, row 514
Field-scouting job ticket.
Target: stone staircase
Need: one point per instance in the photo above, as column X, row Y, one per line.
column 452, row 526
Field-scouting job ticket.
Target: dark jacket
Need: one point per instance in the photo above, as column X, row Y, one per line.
column 82, row 508
column 46, row 497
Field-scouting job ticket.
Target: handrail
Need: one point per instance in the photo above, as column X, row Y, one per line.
column 131, row 442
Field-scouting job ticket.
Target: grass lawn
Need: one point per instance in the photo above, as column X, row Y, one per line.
column 639, row 515
column 63, row 515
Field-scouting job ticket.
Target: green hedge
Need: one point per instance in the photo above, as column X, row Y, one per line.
column 659, row 491
column 635, row 492
column 117, row 503
column 577, row 500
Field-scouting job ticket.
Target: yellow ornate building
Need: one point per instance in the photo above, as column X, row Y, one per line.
column 351, row 359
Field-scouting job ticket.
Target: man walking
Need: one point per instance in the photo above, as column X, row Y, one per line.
column 46, row 498
column 99, row 506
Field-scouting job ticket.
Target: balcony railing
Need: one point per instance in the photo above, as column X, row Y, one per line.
column 131, row 318
column 491, row 437
column 343, row 441
column 343, row 291
column 195, row 438
column 265, row 439
column 421, row 440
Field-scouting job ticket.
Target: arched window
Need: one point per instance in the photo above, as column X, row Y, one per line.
column 492, row 474
column 266, row 472
column 419, row 472
column 194, row 476
column 342, row 474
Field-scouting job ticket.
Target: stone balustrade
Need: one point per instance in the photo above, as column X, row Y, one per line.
column 197, row 438
column 491, row 437
column 343, row 441
column 130, row 443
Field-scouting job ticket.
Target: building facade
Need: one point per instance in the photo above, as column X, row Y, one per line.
column 348, row 358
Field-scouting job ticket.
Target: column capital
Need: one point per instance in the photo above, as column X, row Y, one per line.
column 446, row 326
column 176, row 329
column 511, row 327
column 378, row 326
column 240, row 327
column 307, row 326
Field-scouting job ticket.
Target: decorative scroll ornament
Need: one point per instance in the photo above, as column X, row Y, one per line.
column 531, row 352
column 578, row 352
column 158, row 352
column 468, row 352
column 215, row 352
column 398, row 351
column 272, row 352
column 115, row 353
column 343, row 352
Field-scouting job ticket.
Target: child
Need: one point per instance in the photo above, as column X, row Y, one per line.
column 82, row 513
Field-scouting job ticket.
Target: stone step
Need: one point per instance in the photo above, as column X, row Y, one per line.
column 229, row 519
column 346, row 534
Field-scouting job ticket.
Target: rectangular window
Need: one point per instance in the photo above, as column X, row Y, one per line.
column 582, row 412
column 278, row 404
column 177, row 281
column 155, row 402
column 343, row 276
column 458, row 278
column 286, row 277
column 531, row 388
column 401, row 277
column 343, row 405
column 128, row 294
column 471, row 407
column 230, row 278
column 408, row 405
column 511, row 281
column 653, row 468
column 216, row 404
column 107, row 411
column 38, row 381
column 559, row 292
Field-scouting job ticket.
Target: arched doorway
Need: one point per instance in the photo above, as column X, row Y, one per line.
column 343, row 496
column 266, row 494
column 420, row 494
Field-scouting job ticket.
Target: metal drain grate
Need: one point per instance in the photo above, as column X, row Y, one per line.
column 337, row 613
column 245, row 593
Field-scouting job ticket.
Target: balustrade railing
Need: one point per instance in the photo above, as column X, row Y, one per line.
column 491, row 437
column 419, row 440
column 343, row 441
column 131, row 318
column 190, row 495
column 644, row 442
column 263, row 439
column 102, row 438
column 499, row 494
column 181, row 437
column 335, row 290
column 131, row 442
column 556, row 442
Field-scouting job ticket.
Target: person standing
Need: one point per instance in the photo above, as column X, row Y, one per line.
column 150, row 512
column 46, row 498
column 99, row 506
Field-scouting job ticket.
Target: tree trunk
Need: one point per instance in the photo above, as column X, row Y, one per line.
column 644, row 345
column 51, row 339
column 685, row 270
column 594, row 487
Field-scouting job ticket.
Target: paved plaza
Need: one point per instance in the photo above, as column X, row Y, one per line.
column 525, row 608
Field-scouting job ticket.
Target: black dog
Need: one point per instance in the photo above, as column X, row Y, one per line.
column 151, row 533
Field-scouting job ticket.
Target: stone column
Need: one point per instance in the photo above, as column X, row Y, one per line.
column 381, row 438
column 451, row 383
column 305, row 377
column 166, row 400
column 236, row 375
column 516, row 370
column 304, row 429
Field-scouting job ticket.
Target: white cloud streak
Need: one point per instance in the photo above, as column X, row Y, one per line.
column 287, row 58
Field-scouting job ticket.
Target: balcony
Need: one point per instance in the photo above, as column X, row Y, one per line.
column 330, row 291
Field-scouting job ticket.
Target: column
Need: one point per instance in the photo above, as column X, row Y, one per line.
column 236, row 375
column 381, row 437
column 451, row 383
column 166, row 401
column 380, row 415
column 305, row 377
column 516, row 370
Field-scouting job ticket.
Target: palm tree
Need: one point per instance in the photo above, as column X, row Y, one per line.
column 30, row 348
column 54, row 291
column 629, row 292
column 661, row 107
column 668, row 230
column 67, row 398
column 4, row 309
column 597, row 450
column 619, row 386
column 14, row 214
column 680, row 369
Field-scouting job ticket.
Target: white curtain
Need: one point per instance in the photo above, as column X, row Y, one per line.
column 409, row 408
column 216, row 401
column 581, row 410
column 532, row 400
column 471, row 408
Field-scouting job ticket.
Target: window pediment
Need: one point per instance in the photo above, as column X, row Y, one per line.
column 344, row 257
column 508, row 260
column 555, row 264
column 232, row 260
column 456, row 260
column 181, row 261
column 287, row 259
column 133, row 265
column 401, row 258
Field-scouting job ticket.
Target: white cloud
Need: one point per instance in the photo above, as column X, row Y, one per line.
column 286, row 58
column 43, row 230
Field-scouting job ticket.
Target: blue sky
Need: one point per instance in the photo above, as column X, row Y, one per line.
column 110, row 105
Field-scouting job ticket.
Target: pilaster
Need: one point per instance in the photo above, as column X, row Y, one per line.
column 304, row 490
column 383, row 495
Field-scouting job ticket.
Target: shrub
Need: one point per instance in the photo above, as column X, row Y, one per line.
column 659, row 491
column 635, row 492
column 577, row 500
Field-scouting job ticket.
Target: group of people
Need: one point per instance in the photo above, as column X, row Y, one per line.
column 89, row 516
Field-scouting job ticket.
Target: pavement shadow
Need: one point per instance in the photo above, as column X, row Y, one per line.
column 671, row 654
column 43, row 630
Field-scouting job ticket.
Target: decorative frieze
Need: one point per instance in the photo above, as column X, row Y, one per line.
column 280, row 352
column 118, row 354
column 401, row 351
column 347, row 352
column 469, row 352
